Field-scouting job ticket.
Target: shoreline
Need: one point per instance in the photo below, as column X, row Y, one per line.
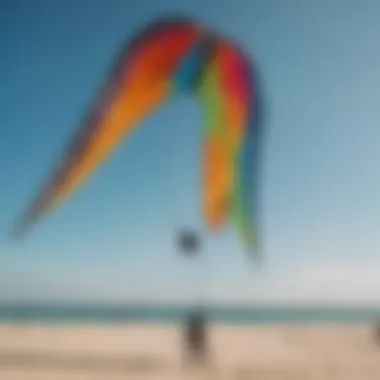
column 169, row 316
column 178, row 324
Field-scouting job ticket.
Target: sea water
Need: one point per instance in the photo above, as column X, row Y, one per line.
column 173, row 315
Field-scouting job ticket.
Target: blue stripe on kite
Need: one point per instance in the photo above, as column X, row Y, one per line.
column 188, row 70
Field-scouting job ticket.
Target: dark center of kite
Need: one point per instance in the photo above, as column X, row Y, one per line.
column 189, row 242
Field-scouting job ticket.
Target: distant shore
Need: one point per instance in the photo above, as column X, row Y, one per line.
column 233, row 315
column 134, row 351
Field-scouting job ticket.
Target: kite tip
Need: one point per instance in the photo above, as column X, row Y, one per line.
column 18, row 231
column 15, row 234
column 255, row 256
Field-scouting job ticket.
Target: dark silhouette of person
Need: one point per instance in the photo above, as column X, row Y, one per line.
column 195, row 338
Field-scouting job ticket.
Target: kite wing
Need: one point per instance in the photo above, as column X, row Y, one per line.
column 226, row 89
column 139, row 83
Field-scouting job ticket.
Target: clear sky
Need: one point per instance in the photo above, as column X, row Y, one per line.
column 320, row 63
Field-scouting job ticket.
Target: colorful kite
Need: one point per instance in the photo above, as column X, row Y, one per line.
column 174, row 56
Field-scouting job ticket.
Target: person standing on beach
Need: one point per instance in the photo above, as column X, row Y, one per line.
column 196, row 350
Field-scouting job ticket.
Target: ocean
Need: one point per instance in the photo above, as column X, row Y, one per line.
column 173, row 315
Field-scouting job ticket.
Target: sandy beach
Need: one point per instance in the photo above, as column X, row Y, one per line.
column 84, row 352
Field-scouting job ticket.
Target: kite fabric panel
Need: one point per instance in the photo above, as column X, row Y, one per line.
column 169, row 57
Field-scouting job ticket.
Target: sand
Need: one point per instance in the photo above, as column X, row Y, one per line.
column 84, row 352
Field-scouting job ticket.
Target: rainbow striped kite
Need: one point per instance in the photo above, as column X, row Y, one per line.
column 174, row 56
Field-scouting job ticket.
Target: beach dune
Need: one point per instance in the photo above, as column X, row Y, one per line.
column 84, row 352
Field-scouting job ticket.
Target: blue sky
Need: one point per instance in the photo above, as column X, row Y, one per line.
column 114, row 242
